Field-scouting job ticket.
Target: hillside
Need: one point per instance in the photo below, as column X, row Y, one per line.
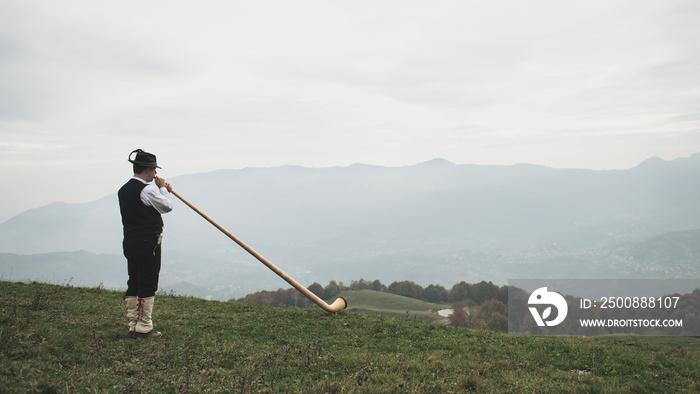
column 370, row 301
column 70, row 339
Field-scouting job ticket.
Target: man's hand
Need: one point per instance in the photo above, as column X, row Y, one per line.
column 170, row 188
column 160, row 182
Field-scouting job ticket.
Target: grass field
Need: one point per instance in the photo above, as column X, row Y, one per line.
column 69, row 339
column 374, row 302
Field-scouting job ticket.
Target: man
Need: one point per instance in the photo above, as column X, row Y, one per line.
column 141, row 204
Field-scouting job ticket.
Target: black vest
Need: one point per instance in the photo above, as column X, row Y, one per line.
column 138, row 219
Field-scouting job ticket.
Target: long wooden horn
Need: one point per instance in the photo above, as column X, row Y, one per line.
column 338, row 305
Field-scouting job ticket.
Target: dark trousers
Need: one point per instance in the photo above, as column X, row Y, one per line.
column 143, row 265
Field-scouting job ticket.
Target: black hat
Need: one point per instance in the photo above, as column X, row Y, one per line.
column 144, row 159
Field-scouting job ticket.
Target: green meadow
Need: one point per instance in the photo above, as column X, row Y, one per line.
column 69, row 339
column 375, row 302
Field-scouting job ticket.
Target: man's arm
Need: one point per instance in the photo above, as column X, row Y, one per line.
column 158, row 196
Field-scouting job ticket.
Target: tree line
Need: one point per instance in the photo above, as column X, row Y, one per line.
column 484, row 305
column 480, row 305
column 462, row 292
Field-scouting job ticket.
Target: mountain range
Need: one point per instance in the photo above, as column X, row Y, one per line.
column 434, row 222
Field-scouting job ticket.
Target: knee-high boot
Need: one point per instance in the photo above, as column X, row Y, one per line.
column 144, row 327
column 132, row 313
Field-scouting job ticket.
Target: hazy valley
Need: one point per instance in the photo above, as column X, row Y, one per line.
column 434, row 222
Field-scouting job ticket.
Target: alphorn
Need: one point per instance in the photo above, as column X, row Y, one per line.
column 339, row 304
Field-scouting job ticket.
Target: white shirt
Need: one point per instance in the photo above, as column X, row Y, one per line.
column 159, row 199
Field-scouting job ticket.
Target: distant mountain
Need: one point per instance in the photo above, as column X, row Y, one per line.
column 435, row 221
column 676, row 253
column 75, row 268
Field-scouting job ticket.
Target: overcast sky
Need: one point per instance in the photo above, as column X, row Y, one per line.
column 234, row 84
